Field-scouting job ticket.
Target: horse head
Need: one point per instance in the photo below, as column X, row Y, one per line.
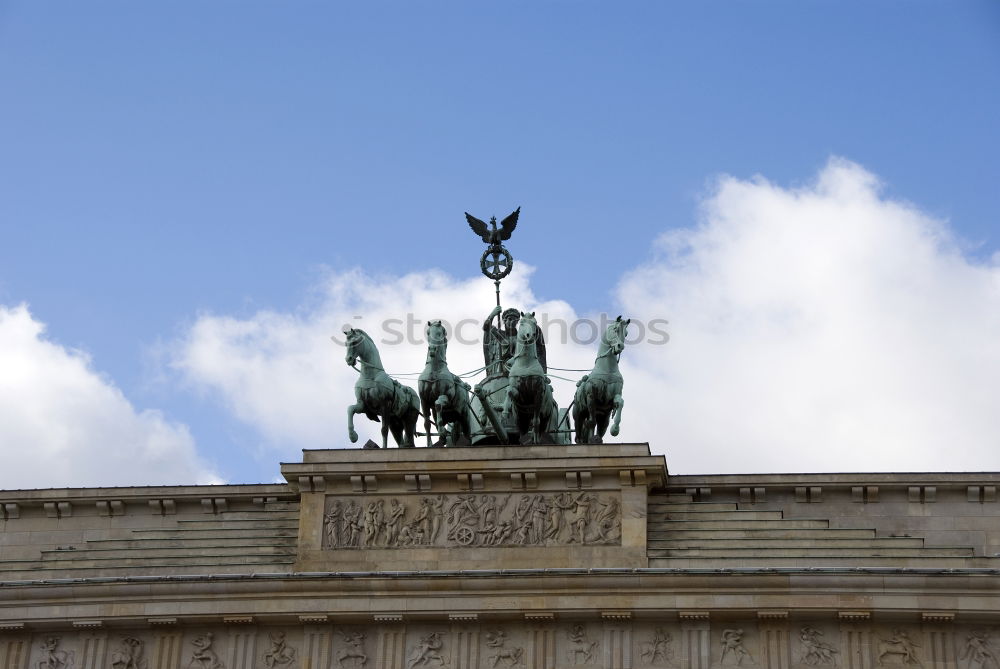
column 356, row 346
column 437, row 340
column 614, row 336
column 527, row 328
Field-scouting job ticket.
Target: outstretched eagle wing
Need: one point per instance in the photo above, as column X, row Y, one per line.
column 507, row 225
column 478, row 227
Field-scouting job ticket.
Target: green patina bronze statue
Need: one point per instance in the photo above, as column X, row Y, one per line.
column 529, row 393
column 379, row 395
column 599, row 394
column 514, row 402
column 443, row 395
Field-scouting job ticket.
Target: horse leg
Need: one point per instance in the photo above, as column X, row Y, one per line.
column 410, row 425
column 385, row 426
column 428, row 409
column 351, row 410
column 619, row 405
column 594, row 432
column 601, row 426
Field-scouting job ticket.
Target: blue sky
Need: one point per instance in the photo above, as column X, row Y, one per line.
column 166, row 162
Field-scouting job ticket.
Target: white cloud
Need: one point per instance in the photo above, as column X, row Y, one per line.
column 812, row 329
column 63, row 424
column 821, row 328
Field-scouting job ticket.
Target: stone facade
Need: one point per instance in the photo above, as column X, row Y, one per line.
column 533, row 557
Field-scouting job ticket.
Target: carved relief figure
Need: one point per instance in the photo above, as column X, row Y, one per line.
column 978, row 651
column 355, row 650
column 374, row 514
column 733, row 651
column 204, row 656
column 581, row 649
column 420, row 528
column 394, row 522
column 495, row 641
column 426, row 651
column 580, row 520
column 817, row 651
column 128, row 655
column 657, row 649
column 899, row 649
column 52, row 657
column 332, row 524
column 608, row 522
column 436, row 516
column 280, row 654
column 352, row 523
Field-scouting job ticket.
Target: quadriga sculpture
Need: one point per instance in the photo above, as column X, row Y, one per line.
column 599, row 394
column 443, row 395
column 379, row 395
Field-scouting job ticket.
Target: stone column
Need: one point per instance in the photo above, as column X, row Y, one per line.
column 465, row 647
column 855, row 634
column 617, row 642
column 166, row 650
column 391, row 651
column 773, row 628
column 242, row 648
column 14, row 653
column 93, row 649
column 316, row 647
column 939, row 640
column 541, row 646
column 696, row 648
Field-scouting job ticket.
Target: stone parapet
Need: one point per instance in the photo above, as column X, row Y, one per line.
column 474, row 508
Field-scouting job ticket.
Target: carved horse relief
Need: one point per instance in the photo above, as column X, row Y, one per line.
column 443, row 395
column 378, row 395
column 599, row 394
column 529, row 395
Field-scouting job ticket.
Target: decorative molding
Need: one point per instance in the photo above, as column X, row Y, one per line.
column 938, row 616
column 539, row 616
column 854, row 616
column 772, row 614
column 313, row 618
column 238, row 620
column 11, row 626
column 693, row 615
column 161, row 622
column 88, row 624
column 463, row 617
column 616, row 615
column 388, row 617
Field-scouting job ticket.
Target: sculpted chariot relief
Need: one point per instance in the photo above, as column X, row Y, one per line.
column 513, row 401
column 474, row 519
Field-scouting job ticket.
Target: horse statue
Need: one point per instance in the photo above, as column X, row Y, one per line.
column 599, row 394
column 529, row 395
column 443, row 395
column 379, row 395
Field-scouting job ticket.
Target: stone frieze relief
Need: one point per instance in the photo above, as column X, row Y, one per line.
column 471, row 520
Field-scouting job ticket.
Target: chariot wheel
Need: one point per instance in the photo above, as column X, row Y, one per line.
column 465, row 536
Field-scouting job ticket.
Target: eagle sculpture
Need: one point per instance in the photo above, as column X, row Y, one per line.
column 496, row 235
